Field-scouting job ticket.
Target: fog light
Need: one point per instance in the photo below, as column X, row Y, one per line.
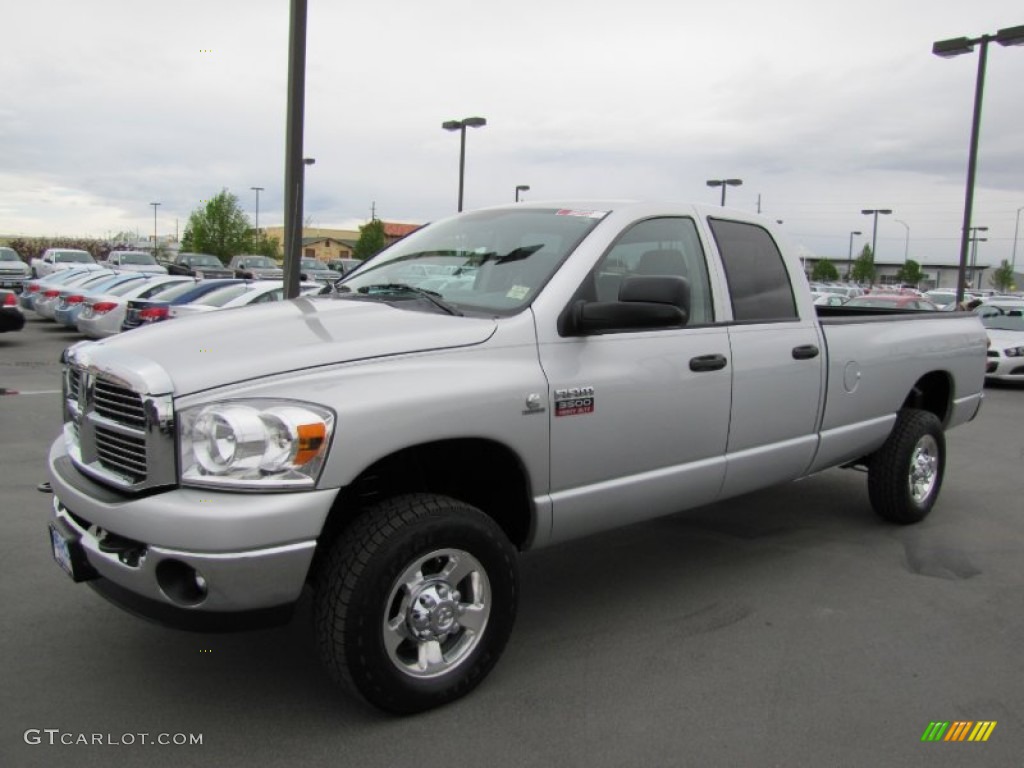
column 181, row 583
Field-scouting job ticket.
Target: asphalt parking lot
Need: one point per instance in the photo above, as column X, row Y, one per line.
column 784, row 628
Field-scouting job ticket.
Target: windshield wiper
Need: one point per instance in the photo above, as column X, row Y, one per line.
column 384, row 288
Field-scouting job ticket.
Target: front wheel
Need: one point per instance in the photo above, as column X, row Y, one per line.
column 905, row 474
column 415, row 602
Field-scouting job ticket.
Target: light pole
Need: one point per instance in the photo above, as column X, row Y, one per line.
column 955, row 47
column 849, row 256
column 257, row 190
column 874, row 229
column 521, row 188
column 906, row 243
column 154, row 227
column 723, row 183
column 1016, row 229
column 461, row 126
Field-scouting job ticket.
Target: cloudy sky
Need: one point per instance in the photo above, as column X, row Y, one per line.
column 821, row 108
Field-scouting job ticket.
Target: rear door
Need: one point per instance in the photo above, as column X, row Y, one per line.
column 777, row 362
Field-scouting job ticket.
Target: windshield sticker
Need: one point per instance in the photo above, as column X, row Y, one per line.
column 584, row 214
column 574, row 401
column 518, row 292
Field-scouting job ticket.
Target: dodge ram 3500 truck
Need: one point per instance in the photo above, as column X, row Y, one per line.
column 496, row 382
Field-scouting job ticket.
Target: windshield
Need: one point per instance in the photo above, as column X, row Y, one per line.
column 72, row 257
column 203, row 260
column 222, row 296
column 489, row 261
column 137, row 258
column 6, row 254
column 312, row 264
column 260, row 262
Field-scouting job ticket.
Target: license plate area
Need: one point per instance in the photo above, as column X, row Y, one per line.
column 68, row 553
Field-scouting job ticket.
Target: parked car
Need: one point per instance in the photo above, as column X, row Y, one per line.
column 45, row 303
column 824, row 299
column 892, row 301
column 11, row 318
column 13, row 271
column 134, row 261
column 103, row 315
column 1005, row 346
column 35, row 286
column 314, row 269
column 72, row 300
column 203, row 265
column 56, row 259
column 147, row 311
column 255, row 267
column 240, row 295
column 942, row 299
column 343, row 266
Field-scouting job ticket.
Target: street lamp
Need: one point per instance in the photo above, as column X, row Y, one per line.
column 257, row 190
column 1016, row 229
column 906, row 243
column 521, row 188
column 461, row 126
column 723, row 183
column 293, row 256
column 955, row 47
column 154, row 227
column 849, row 256
column 874, row 229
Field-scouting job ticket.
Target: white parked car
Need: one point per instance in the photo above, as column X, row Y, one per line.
column 1005, row 346
column 56, row 259
column 134, row 261
column 103, row 315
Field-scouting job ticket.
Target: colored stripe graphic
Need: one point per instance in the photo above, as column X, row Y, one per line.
column 958, row 730
column 982, row 730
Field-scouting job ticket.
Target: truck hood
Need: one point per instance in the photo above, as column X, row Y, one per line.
column 234, row 345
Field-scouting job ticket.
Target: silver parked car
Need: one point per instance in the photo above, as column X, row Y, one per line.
column 13, row 271
column 134, row 261
column 255, row 267
column 103, row 315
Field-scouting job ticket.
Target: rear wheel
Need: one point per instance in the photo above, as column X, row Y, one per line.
column 415, row 602
column 906, row 473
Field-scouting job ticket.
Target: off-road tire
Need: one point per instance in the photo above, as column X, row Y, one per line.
column 355, row 588
column 905, row 474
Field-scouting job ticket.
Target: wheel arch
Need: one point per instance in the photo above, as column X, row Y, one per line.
column 484, row 473
column 933, row 392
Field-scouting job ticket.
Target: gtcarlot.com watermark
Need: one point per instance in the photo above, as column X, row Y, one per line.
column 57, row 737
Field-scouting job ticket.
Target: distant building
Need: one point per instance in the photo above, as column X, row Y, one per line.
column 326, row 244
column 935, row 275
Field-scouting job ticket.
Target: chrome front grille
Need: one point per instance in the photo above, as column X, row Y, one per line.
column 116, row 434
column 122, row 453
column 118, row 403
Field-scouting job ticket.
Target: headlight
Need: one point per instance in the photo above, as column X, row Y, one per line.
column 254, row 443
column 1014, row 352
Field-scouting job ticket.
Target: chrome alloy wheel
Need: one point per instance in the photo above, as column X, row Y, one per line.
column 924, row 469
column 436, row 613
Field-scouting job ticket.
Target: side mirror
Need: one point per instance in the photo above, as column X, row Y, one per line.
column 645, row 302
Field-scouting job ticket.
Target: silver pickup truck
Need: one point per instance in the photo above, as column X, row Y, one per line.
column 497, row 382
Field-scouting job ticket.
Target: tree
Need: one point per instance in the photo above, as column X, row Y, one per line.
column 864, row 266
column 910, row 273
column 220, row 227
column 371, row 239
column 1002, row 277
column 824, row 270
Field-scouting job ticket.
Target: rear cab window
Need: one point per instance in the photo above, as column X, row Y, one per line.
column 760, row 288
